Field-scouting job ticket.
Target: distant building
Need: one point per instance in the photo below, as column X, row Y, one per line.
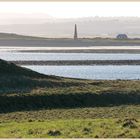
column 75, row 32
column 121, row 36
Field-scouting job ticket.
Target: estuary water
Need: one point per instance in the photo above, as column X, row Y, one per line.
column 91, row 72
column 105, row 72
column 20, row 56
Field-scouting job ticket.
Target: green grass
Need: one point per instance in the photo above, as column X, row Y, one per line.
column 103, row 122
column 93, row 128
column 124, row 111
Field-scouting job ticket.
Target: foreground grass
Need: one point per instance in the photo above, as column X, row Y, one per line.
column 93, row 128
column 96, row 122
column 115, row 112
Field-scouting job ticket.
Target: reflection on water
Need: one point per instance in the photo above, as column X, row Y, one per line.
column 91, row 72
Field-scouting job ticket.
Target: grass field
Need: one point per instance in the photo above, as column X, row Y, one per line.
column 36, row 105
column 76, row 128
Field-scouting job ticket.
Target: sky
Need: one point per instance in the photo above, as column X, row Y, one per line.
column 69, row 9
column 48, row 19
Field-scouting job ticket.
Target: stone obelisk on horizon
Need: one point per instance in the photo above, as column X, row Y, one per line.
column 75, row 32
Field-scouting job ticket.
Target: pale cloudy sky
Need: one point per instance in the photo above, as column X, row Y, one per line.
column 69, row 9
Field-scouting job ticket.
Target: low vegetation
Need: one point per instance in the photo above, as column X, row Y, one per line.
column 17, row 36
column 36, row 105
column 99, row 128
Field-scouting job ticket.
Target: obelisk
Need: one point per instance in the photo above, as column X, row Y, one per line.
column 75, row 32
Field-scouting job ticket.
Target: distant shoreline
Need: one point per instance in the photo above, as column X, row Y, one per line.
column 79, row 62
column 128, row 51
column 28, row 42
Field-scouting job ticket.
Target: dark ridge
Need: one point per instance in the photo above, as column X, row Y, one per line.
column 15, row 79
column 8, row 68
column 38, row 102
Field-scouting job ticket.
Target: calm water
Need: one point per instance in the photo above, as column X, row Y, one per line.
column 91, row 72
column 83, row 72
column 67, row 56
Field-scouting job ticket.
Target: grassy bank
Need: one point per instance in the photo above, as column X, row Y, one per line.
column 24, row 90
column 69, row 93
column 37, row 105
